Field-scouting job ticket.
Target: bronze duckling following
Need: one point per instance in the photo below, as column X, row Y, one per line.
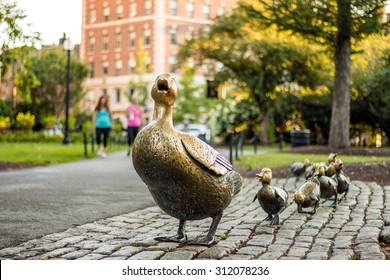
column 272, row 199
column 341, row 179
column 328, row 186
column 298, row 168
column 310, row 169
column 187, row 178
column 308, row 195
column 330, row 169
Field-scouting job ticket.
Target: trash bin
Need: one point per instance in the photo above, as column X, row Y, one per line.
column 300, row 137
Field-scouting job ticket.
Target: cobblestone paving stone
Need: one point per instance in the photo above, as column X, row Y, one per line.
column 349, row 232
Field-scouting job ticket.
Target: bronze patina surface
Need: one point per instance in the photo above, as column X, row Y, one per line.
column 187, row 178
column 328, row 186
column 272, row 199
column 308, row 195
column 341, row 179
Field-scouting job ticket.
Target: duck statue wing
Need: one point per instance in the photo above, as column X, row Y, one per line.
column 206, row 155
column 283, row 194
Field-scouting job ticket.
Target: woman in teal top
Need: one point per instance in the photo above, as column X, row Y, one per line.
column 101, row 120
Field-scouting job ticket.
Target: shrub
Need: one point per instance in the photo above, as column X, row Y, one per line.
column 5, row 123
column 49, row 122
column 25, row 121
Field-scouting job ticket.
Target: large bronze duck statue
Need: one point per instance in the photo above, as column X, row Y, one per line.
column 272, row 199
column 187, row 178
column 328, row 186
column 341, row 179
column 308, row 195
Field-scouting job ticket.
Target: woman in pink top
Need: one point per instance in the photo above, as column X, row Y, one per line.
column 133, row 114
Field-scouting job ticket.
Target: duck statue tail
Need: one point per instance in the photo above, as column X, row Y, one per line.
column 235, row 180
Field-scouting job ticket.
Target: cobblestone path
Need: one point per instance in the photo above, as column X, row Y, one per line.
column 349, row 232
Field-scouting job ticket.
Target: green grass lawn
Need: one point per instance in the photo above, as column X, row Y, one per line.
column 274, row 159
column 47, row 153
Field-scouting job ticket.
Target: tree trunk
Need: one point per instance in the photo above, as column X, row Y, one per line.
column 264, row 128
column 339, row 124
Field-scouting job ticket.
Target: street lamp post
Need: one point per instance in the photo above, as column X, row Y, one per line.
column 68, row 47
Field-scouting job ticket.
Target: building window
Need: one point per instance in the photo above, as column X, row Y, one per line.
column 131, row 42
column 173, row 7
column 117, row 95
column 92, row 16
column 131, row 66
column 118, row 67
column 190, row 10
column 221, row 11
column 105, row 42
column 91, row 67
column 173, row 32
column 132, row 10
column 173, row 64
column 118, row 40
column 147, row 37
column 148, row 7
column 105, row 69
column 91, row 44
column 119, row 11
column 206, row 11
column 104, row 91
column 106, row 13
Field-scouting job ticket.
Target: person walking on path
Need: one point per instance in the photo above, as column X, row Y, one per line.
column 134, row 115
column 101, row 120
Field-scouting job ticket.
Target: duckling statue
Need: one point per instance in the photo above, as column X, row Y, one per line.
column 341, row 179
column 310, row 169
column 308, row 195
column 187, row 178
column 330, row 169
column 328, row 186
column 272, row 199
column 299, row 168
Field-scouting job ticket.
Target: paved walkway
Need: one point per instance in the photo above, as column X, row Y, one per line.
column 350, row 232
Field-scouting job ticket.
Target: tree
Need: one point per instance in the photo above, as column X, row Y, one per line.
column 192, row 102
column 49, row 66
column 16, row 41
column 333, row 24
column 371, row 84
column 257, row 59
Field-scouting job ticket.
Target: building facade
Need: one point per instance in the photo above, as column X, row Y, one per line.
column 117, row 33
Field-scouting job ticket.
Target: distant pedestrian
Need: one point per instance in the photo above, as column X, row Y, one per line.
column 134, row 115
column 101, row 120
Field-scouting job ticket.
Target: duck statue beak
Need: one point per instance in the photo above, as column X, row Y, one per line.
column 260, row 175
column 163, row 85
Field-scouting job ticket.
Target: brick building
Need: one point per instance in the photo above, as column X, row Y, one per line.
column 116, row 32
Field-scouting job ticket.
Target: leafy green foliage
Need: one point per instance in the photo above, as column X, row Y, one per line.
column 25, row 121
column 333, row 24
column 371, row 84
column 15, row 43
column 50, row 69
column 192, row 103
column 258, row 60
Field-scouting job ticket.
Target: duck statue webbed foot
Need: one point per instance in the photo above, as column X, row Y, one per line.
column 180, row 237
column 268, row 218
